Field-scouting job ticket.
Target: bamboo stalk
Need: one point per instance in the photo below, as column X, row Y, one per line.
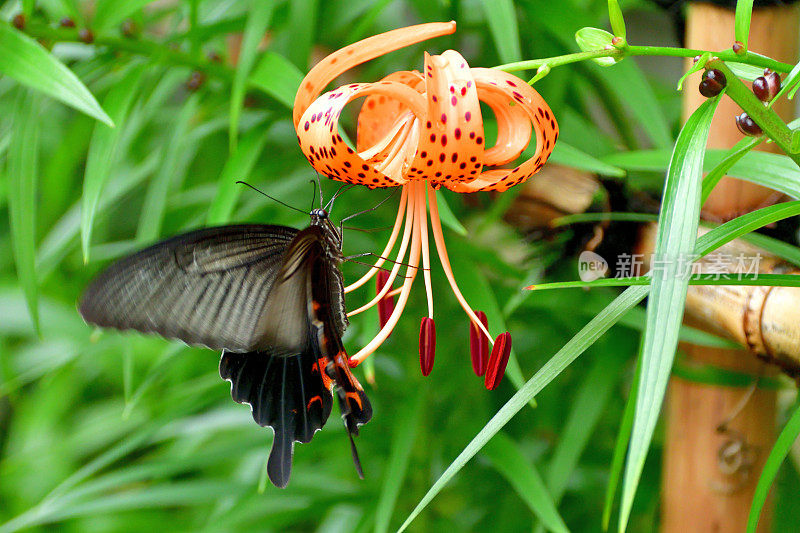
column 718, row 437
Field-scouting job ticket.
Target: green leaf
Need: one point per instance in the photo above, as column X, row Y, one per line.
column 570, row 156
column 770, row 170
column 447, row 217
column 776, row 456
column 616, row 19
column 744, row 10
column 102, row 150
column 23, row 175
column 110, row 13
column 562, row 359
column 502, row 19
column 258, row 20
column 509, row 460
column 745, row 71
column 699, row 65
column 735, row 154
column 589, row 39
column 404, row 434
column 278, row 77
column 155, row 200
column 26, row 61
column 677, row 231
column 237, row 168
column 621, row 445
column 302, row 23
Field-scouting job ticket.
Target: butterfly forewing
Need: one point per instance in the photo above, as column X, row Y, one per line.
column 205, row 287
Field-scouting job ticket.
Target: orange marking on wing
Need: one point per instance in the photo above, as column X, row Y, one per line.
column 355, row 396
column 312, row 400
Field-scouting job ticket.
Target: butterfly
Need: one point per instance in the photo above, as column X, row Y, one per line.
column 271, row 298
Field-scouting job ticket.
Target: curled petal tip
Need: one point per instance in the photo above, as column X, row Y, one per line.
column 498, row 361
column 479, row 345
column 427, row 345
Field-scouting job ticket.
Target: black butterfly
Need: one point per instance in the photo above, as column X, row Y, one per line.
column 271, row 298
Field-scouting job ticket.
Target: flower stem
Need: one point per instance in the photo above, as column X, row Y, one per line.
column 749, row 58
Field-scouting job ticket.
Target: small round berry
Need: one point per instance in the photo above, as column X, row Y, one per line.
column 738, row 48
column 713, row 82
column 128, row 28
column 66, row 22
column 18, row 21
column 214, row 57
column 195, row 81
column 86, row 36
column 747, row 126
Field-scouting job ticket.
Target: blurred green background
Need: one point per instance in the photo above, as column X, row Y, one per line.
column 102, row 431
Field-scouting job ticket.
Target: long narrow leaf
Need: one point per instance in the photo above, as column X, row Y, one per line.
column 779, row 452
column 744, row 11
column 502, row 21
column 405, row 432
column 103, row 149
column 678, row 222
column 258, row 20
column 278, row 77
column 23, row 174
column 561, row 360
column 238, row 167
column 509, row 460
column 26, row 61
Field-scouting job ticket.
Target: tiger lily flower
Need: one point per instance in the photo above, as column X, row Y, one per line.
column 422, row 131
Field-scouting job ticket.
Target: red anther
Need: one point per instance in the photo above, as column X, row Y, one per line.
column 427, row 345
column 479, row 345
column 386, row 304
column 352, row 363
column 498, row 361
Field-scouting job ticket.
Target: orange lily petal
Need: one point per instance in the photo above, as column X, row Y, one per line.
column 451, row 142
column 359, row 52
column 379, row 113
column 323, row 146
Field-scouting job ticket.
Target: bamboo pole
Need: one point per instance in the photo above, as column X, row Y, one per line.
column 709, row 475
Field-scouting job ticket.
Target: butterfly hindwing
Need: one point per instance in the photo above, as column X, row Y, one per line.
column 206, row 287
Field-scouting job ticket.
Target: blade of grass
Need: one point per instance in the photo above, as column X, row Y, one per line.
column 509, row 460
column 258, row 19
column 26, row 61
column 621, row 445
column 102, row 151
column 238, row 167
column 744, row 10
column 302, row 23
column 776, row 456
column 404, row 434
column 570, row 156
column 677, row 232
column 502, row 19
column 735, row 154
column 23, row 176
column 155, row 201
column 562, row 359
column 278, row 77
column 588, row 405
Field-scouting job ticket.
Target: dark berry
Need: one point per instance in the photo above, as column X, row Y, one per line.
column 738, row 48
column 128, row 28
column 18, row 21
column 195, row 81
column 713, row 82
column 66, row 22
column 747, row 126
column 214, row 57
column 86, row 36
column 767, row 86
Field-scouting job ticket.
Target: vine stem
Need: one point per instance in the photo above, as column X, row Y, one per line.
column 749, row 58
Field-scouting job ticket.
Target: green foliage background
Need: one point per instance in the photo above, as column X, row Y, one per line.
column 118, row 432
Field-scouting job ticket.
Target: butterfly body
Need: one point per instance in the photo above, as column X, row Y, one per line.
column 270, row 297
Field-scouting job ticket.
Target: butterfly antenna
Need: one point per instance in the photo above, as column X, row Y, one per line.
column 319, row 185
column 373, row 208
column 340, row 190
column 313, row 194
column 271, row 197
